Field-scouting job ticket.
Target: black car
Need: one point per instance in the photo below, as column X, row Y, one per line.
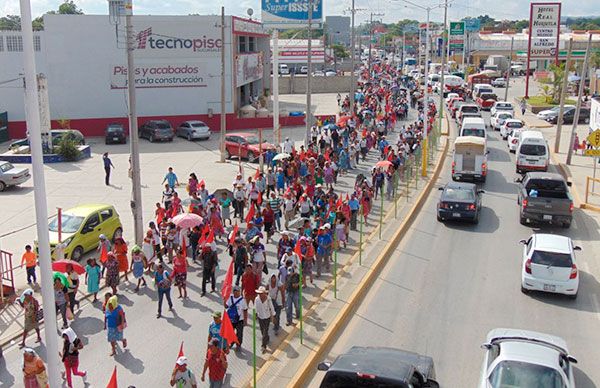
column 379, row 367
column 154, row 130
column 115, row 133
column 459, row 201
column 569, row 116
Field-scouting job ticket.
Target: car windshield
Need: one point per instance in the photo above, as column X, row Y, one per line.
column 6, row 166
column 163, row 126
column 514, row 124
column 458, row 194
column 474, row 132
column 470, row 109
column 503, row 106
column 533, row 149
column 253, row 140
column 504, row 115
column 199, row 124
column 115, row 129
column 70, row 223
column 552, row 259
column 511, row 374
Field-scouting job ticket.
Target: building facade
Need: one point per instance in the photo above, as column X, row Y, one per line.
column 337, row 30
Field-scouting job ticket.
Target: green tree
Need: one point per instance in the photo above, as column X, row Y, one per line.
column 340, row 51
column 10, row 22
column 595, row 60
column 69, row 8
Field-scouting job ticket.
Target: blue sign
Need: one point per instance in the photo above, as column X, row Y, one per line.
column 472, row 25
column 291, row 13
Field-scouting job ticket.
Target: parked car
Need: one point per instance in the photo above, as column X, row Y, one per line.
column 115, row 133
column 544, row 197
column 245, row 145
column 304, row 70
column 509, row 126
column 569, row 116
column 499, row 82
column 548, row 265
column 449, row 97
column 498, row 118
column 57, row 135
column 12, row 176
column 522, row 358
column 330, row 73
column 81, row 228
column 193, row 129
column 379, row 367
column 549, row 113
column 154, row 130
column 318, row 73
column 459, row 201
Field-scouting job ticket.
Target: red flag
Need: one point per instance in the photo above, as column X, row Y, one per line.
column 203, row 234
column 211, row 237
column 227, row 331
column 347, row 197
column 256, row 174
column 227, row 283
column 298, row 250
column 113, row 379
column 338, row 204
column 259, row 200
column 183, row 246
column 233, row 234
column 180, row 350
column 250, row 214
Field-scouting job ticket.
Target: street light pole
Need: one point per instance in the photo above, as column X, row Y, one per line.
column 425, row 103
column 442, row 86
column 39, row 194
column 512, row 41
column 352, row 53
column 222, row 115
column 563, row 92
column 308, row 117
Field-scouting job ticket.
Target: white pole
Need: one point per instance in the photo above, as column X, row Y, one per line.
column 39, row 193
column 443, row 52
column 352, row 54
column 426, row 104
column 276, row 129
column 308, row 116
column 222, row 115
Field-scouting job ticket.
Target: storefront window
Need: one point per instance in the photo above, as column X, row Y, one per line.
column 251, row 44
column 242, row 44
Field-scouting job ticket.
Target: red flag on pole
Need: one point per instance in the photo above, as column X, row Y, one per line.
column 228, row 282
column 227, row 331
column 211, row 237
column 338, row 204
column 113, row 379
column 183, row 246
column 180, row 353
column 347, row 197
column 233, row 234
column 250, row 214
column 256, row 174
column 298, row 250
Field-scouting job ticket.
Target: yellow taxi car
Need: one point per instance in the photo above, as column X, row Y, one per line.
column 81, row 228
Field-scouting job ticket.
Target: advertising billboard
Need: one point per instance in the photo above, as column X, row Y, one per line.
column 248, row 68
column 457, row 36
column 291, row 13
column 472, row 25
column 160, row 75
column 544, row 30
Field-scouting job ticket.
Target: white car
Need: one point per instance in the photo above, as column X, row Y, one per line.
column 508, row 126
column 549, row 113
column 513, row 139
column 549, row 265
column 499, row 83
column 498, row 119
column 524, row 359
column 503, row 106
column 450, row 96
column 12, row 176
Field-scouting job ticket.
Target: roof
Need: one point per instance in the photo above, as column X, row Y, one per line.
column 544, row 175
column 469, row 140
column 384, row 362
column 527, row 344
column 532, row 134
column 460, row 185
column 553, row 243
column 84, row 210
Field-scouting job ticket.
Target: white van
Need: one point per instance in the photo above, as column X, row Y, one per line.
column 479, row 89
column 532, row 152
column 284, row 69
column 469, row 159
column 473, row 126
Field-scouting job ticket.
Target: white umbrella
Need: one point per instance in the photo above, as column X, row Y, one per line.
column 282, row 156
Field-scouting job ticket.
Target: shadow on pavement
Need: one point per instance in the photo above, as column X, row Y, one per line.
column 128, row 360
column 5, row 375
column 497, row 183
column 589, row 292
column 87, row 326
column 488, row 223
column 582, row 379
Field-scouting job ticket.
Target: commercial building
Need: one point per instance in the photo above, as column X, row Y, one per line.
column 337, row 30
column 294, row 52
column 177, row 72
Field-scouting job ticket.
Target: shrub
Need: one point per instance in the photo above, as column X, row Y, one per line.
column 67, row 148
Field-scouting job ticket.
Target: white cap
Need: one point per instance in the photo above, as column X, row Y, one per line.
column 182, row 360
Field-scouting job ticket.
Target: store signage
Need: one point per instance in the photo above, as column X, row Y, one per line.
column 148, row 39
column 544, row 30
column 248, row 27
column 472, row 25
column 249, row 68
column 291, row 13
column 160, row 75
column 457, row 36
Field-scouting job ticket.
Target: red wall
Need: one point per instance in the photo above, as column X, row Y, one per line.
column 96, row 127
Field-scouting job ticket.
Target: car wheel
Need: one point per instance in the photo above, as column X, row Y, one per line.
column 574, row 296
column 251, row 156
column 522, row 220
column 77, row 253
column 586, row 120
column 476, row 219
column 566, row 225
column 524, row 290
column 171, row 139
column 189, row 137
column 118, row 233
column 227, row 154
column 151, row 138
column 2, row 186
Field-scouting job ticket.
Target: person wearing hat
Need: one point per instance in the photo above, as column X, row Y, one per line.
column 216, row 364
column 265, row 312
column 182, row 376
column 209, row 260
column 304, row 206
column 239, row 198
column 237, row 309
column 70, row 356
column 31, row 308
column 289, row 255
column 103, row 248
column 252, row 231
column 280, row 180
column 288, row 146
column 214, row 331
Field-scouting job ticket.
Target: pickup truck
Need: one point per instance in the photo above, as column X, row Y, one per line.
column 544, row 197
column 485, row 101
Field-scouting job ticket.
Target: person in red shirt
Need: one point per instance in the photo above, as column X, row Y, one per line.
column 250, row 282
column 268, row 218
column 216, row 363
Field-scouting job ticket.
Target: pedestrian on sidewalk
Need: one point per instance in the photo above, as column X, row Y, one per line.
column 162, row 279
column 180, row 273
column 265, row 312
column 107, row 166
column 214, row 331
column 292, row 294
column 182, row 376
column 237, row 309
column 171, row 179
column 29, row 259
column 111, row 267
column 138, row 265
column 523, row 107
column 216, row 364
column 209, row 260
column 115, row 323
column 34, row 370
column 576, row 145
column 92, row 277
column 60, row 300
column 70, row 356
column 31, row 309
column 277, row 296
column 103, row 248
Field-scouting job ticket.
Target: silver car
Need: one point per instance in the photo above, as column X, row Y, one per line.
column 526, row 359
column 12, row 176
column 193, row 129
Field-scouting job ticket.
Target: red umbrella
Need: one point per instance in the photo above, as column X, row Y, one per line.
column 383, row 163
column 61, row 266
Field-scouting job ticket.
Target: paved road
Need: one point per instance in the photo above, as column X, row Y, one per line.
column 449, row 284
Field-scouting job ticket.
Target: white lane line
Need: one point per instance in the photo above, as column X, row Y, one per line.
column 596, row 306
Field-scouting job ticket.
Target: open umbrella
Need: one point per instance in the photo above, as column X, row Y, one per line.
column 219, row 193
column 62, row 277
column 574, row 78
column 187, row 220
column 383, row 163
column 343, row 120
column 281, row 156
column 61, row 266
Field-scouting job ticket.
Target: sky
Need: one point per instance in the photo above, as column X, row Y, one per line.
column 392, row 10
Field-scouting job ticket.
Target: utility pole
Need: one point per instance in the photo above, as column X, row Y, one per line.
column 563, row 92
column 308, row 117
column 512, row 41
column 371, row 37
column 443, row 52
column 223, row 111
column 584, row 72
column 425, row 103
column 352, row 54
column 276, row 130
column 32, row 114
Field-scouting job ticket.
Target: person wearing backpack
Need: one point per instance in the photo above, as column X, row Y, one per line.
column 70, row 356
column 237, row 310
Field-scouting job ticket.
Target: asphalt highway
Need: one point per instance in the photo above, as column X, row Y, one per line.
column 449, row 284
